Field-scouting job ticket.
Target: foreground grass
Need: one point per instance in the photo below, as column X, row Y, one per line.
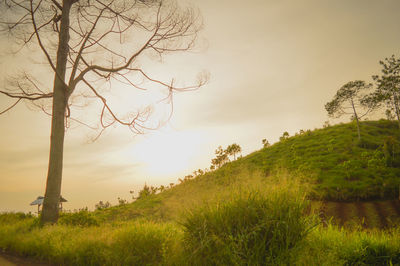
column 268, row 225
column 253, row 229
column 128, row 243
column 332, row 245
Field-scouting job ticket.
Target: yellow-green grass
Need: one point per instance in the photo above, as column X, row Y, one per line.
column 224, row 226
column 164, row 228
column 342, row 167
column 334, row 245
column 77, row 240
column 170, row 204
column 127, row 243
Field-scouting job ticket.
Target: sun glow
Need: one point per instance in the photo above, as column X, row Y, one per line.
column 168, row 153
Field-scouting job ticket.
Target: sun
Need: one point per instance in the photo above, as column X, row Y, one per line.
column 168, row 152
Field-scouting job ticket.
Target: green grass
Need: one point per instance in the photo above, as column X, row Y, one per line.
column 318, row 157
column 249, row 229
column 253, row 211
column 268, row 225
column 338, row 246
column 342, row 167
column 128, row 243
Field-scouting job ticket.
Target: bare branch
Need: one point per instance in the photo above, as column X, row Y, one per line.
column 57, row 4
column 9, row 108
column 75, row 66
column 28, row 96
column 38, row 37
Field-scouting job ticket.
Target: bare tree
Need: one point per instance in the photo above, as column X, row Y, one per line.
column 90, row 46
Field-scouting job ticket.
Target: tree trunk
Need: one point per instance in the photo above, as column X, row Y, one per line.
column 396, row 108
column 60, row 99
column 356, row 117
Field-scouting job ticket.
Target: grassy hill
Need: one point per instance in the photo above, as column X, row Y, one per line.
column 255, row 210
column 332, row 161
column 341, row 166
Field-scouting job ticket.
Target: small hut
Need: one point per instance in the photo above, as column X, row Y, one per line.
column 39, row 202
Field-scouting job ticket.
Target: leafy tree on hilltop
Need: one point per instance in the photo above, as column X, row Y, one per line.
column 347, row 100
column 233, row 149
column 388, row 88
column 102, row 205
column 221, row 158
column 265, row 143
column 284, row 136
column 146, row 191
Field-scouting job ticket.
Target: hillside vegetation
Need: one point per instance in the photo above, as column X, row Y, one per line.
column 331, row 161
column 261, row 209
column 274, row 225
column 341, row 166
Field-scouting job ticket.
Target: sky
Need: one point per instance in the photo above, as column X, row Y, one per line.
column 273, row 65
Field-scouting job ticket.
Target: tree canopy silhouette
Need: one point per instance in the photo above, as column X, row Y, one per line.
column 348, row 99
column 90, row 46
column 232, row 150
column 387, row 91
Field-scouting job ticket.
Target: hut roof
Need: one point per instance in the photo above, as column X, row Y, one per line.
column 39, row 200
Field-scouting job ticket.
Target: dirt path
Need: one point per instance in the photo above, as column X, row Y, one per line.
column 5, row 262
column 7, row 259
column 340, row 213
column 396, row 206
column 369, row 214
column 381, row 213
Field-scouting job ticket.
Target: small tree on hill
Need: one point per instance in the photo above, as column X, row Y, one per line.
column 347, row 100
column 232, row 150
column 101, row 205
column 265, row 143
column 284, row 136
column 221, row 158
column 387, row 92
column 146, row 191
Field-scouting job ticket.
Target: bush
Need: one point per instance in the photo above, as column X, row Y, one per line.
column 248, row 230
column 101, row 205
column 80, row 218
column 145, row 243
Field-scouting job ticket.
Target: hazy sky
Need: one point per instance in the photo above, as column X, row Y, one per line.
column 273, row 66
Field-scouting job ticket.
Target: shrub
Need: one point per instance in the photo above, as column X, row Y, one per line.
column 9, row 217
column 101, row 205
column 80, row 218
column 250, row 230
column 145, row 243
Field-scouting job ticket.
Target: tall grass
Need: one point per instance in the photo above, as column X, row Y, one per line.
column 251, row 228
column 266, row 221
column 128, row 243
column 332, row 245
